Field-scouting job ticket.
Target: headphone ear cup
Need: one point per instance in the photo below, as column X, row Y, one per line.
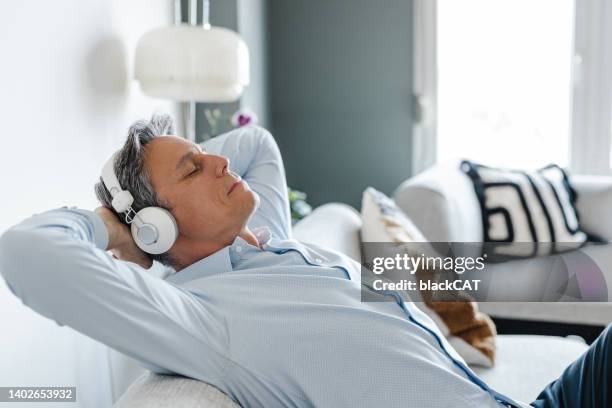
column 158, row 231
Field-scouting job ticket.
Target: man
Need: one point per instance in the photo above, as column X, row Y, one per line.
column 266, row 319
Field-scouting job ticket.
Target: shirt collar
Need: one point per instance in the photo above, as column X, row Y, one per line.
column 217, row 262
column 262, row 234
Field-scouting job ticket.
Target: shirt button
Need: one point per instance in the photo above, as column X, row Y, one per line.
column 238, row 248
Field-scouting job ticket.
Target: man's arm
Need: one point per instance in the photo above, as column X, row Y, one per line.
column 56, row 264
column 254, row 155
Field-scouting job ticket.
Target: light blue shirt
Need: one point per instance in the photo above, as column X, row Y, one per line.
column 278, row 326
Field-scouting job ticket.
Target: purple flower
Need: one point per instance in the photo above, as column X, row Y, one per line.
column 243, row 117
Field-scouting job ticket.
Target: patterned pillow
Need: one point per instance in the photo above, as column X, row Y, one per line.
column 526, row 213
column 469, row 331
column 384, row 221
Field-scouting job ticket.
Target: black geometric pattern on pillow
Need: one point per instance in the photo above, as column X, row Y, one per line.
column 526, row 213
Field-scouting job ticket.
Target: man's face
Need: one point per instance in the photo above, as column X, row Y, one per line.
column 206, row 200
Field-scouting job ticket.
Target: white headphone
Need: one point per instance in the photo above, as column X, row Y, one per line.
column 154, row 229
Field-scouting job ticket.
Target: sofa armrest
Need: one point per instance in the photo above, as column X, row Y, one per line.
column 594, row 204
column 335, row 226
column 167, row 391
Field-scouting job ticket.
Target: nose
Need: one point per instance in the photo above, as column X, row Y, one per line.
column 222, row 166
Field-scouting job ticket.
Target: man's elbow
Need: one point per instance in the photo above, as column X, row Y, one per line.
column 261, row 135
column 19, row 250
column 267, row 141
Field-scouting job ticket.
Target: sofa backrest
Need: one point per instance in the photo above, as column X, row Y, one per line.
column 335, row 226
column 594, row 204
column 442, row 204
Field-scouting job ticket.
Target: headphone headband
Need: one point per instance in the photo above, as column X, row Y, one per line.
column 108, row 176
column 154, row 229
column 121, row 199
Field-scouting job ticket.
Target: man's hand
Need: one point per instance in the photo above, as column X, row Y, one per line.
column 120, row 241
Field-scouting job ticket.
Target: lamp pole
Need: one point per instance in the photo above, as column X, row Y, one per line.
column 191, row 108
column 193, row 20
column 188, row 109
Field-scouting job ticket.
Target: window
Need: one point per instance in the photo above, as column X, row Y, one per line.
column 517, row 83
column 504, row 81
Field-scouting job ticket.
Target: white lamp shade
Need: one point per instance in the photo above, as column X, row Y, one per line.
column 192, row 63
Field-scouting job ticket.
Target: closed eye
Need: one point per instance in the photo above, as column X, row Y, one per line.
column 198, row 167
column 195, row 170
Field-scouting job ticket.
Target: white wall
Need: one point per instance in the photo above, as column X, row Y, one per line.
column 66, row 99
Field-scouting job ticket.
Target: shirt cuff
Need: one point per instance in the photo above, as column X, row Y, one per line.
column 99, row 233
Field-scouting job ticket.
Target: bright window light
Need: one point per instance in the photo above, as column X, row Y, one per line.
column 504, row 81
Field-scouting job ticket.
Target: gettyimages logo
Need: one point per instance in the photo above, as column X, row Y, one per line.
column 412, row 264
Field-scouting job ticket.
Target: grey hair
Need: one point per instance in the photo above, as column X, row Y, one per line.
column 132, row 174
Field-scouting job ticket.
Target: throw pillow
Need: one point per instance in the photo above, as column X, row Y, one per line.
column 526, row 213
column 469, row 331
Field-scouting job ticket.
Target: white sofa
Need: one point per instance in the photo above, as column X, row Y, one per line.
column 442, row 203
column 525, row 364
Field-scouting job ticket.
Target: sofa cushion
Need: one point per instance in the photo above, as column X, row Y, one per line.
column 526, row 364
column 165, row 391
